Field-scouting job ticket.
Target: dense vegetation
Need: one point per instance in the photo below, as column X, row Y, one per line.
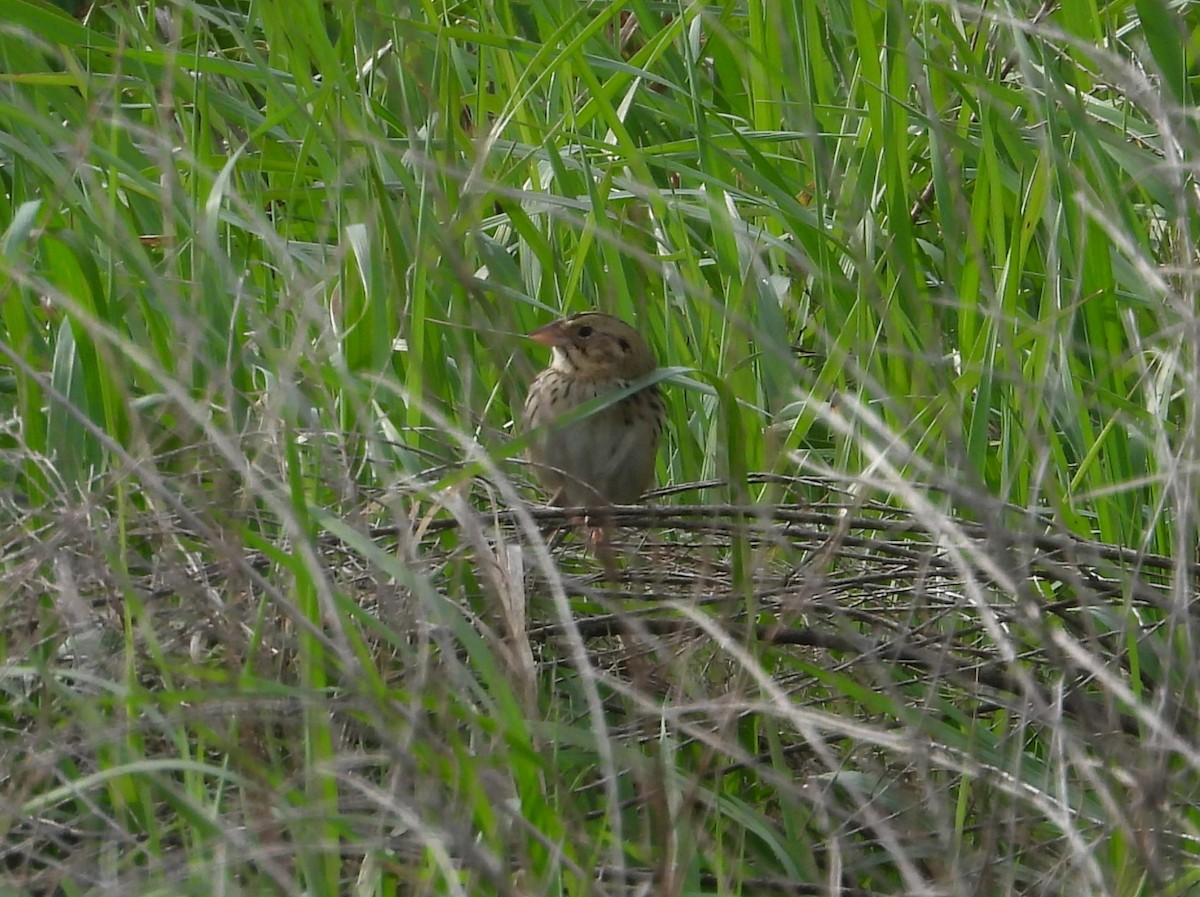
column 915, row 610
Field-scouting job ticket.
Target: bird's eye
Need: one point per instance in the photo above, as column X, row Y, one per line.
column 624, row 344
column 585, row 331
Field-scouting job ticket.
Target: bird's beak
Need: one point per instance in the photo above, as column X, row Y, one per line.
column 554, row 334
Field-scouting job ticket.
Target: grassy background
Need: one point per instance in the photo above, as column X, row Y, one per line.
column 916, row 612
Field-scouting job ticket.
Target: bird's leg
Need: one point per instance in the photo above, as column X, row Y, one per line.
column 599, row 528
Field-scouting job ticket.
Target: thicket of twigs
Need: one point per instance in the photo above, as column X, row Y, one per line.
column 914, row 611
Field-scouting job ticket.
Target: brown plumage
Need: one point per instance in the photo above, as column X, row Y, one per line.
column 606, row 457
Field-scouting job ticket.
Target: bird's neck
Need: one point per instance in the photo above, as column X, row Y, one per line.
column 587, row 373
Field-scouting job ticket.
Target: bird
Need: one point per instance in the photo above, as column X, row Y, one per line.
column 606, row 457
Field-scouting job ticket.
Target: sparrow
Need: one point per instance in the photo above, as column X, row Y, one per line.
column 605, row 457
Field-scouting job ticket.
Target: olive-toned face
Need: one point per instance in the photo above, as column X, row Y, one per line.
column 597, row 346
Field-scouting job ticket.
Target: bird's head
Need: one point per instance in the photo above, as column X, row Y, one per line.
column 596, row 345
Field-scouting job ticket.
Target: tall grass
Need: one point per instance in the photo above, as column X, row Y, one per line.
column 915, row 611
